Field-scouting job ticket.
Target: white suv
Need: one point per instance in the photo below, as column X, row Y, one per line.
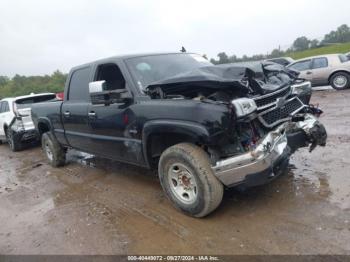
column 16, row 125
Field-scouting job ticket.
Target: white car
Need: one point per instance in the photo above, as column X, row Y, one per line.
column 16, row 125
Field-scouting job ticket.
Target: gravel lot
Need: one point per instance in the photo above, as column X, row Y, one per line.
column 95, row 206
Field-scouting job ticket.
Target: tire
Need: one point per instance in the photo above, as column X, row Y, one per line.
column 188, row 180
column 13, row 141
column 55, row 153
column 340, row 81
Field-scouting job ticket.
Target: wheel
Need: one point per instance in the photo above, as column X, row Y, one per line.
column 340, row 81
column 188, row 181
column 53, row 151
column 13, row 141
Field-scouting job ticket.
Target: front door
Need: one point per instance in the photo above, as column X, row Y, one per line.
column 113, row 126
column 74, row 110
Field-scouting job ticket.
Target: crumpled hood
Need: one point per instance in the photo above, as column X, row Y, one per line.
column 212, row 77
column 252, row 77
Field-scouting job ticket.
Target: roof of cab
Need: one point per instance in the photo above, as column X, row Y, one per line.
column 126, row 56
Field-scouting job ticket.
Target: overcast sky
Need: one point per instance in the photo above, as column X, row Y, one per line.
column 38, row 37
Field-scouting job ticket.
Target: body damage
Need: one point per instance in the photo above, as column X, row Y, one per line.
column 281, row 98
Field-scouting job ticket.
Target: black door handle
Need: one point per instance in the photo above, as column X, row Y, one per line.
column 66, row 114
column 308, row 72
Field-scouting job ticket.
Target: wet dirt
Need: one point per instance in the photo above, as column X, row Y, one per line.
column 95, row 206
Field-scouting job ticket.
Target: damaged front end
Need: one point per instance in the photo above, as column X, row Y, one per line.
column 271, row 154
column 271, row 117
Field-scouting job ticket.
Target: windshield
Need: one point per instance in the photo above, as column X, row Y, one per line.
column 27, row 102
column 148, row 69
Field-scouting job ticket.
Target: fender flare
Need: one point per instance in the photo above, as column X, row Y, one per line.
column 45, row 121
column 194, row 130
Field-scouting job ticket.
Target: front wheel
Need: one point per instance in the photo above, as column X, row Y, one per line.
column 340, row 81
column 53, row 150
column 189, row 181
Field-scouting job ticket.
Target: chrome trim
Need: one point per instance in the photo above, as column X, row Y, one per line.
column 260, row 116
column 234, row 170
column 272, row 94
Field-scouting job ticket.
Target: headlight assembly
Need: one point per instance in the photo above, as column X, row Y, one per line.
column 304, row 87
column 244, row 106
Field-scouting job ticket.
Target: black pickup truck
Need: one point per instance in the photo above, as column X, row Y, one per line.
column 204, row 127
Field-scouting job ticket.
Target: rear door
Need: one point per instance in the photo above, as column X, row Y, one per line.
column 320, row 71
column 6, row 116
column 74, row 109
column 2, row 119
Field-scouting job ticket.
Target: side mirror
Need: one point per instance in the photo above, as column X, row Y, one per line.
column 97, row 87
column 100, row 95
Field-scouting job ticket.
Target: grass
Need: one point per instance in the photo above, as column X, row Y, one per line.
column 331, row 49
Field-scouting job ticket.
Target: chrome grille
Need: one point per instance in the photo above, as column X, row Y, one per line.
column 281, row 113
column 270, row 99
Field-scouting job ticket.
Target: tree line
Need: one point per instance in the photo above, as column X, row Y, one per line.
column 24, row 85
column 340, row 35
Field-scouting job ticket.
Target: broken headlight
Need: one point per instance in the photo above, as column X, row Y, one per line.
column 302, row 88
column 244, row 106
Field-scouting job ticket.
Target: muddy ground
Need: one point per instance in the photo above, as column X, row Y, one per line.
column 95, row 206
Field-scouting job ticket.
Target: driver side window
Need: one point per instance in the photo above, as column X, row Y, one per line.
column 112, row 75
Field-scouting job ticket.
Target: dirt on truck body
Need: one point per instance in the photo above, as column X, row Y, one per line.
column 97, row 206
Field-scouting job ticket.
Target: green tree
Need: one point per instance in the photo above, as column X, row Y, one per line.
column 314, row 43
column 341, row 35
column 301, row 43
column 24, row 85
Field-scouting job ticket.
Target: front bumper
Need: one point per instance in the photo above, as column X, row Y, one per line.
column 270, row 157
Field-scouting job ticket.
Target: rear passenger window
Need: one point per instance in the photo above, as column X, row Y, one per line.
column 344, row 58
column 6, row 107
column 320, row 63
column 79, row 85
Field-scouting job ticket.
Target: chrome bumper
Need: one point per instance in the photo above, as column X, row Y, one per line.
column 274, row 146
column 234, row 170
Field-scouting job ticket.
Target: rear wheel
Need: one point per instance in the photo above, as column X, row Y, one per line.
column 189, row 181
column 54, row 152
column 13, row 141
column 340, row 81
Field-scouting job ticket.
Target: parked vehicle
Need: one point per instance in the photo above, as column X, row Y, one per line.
column 281, row 60
column 204, row 127
column 348, row 55
column 16, row 125
column 320, row 70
